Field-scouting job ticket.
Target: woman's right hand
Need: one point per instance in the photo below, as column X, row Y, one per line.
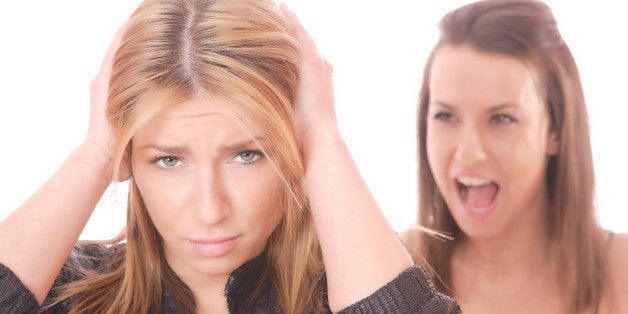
column 36, row 239
column 99, row 133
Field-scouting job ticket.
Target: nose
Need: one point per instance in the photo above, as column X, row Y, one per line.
column 470, row 148
column 212, row 205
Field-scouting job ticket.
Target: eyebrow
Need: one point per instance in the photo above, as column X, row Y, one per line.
column 492, row 109
column 166, row 149
column 504, row 106
column 242, row 145
column 174, row 150
column 438, row 103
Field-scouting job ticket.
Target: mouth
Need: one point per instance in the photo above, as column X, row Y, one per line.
column 477, row 194
column 214, row 247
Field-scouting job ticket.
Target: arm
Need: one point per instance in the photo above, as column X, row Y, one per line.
column 617, row 275
column 36, row 239
column 360, row 250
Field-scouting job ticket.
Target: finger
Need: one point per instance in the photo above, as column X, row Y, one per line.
column 113, row 48
column 300, row 34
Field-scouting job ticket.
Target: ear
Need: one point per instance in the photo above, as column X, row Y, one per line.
column 124, row 173
column 553, row 143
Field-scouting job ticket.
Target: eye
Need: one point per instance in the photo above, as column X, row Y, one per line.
column 444, row 116
column 502, row 119
column 167, row 162
column 248, row 156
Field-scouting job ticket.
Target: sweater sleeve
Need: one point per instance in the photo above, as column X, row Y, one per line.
column 14, row 296
column 411, row 292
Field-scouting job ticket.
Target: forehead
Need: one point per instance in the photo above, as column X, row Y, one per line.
column 205, row 114
column 464, row 74
column 198, row 106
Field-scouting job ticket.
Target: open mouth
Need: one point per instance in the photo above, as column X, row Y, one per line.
column 476, row 194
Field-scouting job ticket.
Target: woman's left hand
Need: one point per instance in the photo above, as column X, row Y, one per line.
column 315, row 108
column 360, row 250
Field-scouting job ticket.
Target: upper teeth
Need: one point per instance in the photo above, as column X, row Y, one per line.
column 473, row 181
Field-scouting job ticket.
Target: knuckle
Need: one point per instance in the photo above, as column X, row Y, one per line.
column 329, row 68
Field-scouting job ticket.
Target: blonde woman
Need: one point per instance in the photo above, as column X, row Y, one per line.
column 221, row 120
column 506, row 169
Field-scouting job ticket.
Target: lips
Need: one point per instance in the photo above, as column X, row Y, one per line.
column 477, row 194
column 214, row 247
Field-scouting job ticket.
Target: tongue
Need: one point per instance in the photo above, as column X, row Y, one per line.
column 481, row 196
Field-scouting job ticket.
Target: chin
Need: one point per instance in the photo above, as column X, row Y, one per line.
column 479, row 231
column 477, row 224
column 218, row 267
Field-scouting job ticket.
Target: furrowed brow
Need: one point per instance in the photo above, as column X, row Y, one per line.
column 245, row 144
column 166, row 149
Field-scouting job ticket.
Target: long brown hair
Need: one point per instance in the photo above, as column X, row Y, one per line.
column 172, row 51
column 525, row 30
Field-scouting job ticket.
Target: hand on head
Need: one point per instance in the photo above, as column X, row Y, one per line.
column 99, row 132
column 315, row 108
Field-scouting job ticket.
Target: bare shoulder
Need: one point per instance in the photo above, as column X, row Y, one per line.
column 409, row 239
column 618, row 259
column 618, row 253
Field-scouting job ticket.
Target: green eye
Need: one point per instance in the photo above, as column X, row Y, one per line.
column 167, row 162
column 444, row 116
column 248, row 156
column 170, row 161
column 502, row 119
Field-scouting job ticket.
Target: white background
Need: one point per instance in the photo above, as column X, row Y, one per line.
column 50, row 50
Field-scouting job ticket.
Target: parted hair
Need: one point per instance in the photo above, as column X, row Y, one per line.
column 172, row 51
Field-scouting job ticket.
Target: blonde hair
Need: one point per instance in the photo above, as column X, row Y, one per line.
column 172, row 51
column 525, row 30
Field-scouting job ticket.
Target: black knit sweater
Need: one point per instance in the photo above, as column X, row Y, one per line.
column 411, row 292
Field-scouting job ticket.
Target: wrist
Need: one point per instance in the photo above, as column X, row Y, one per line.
column 313, row 137
column 322, row 144
column 97, row 155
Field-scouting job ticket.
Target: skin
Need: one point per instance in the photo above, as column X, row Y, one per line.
column 57, row 213
column 352, row 253
column 487, row 123
column 209, row 190
column 615, row 300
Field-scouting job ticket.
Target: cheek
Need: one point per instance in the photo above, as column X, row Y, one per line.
column 436, row 142
column 163, row 200
column 529, row 158
column 523, row 149
column 523, row 160
column 258, row 198
column 439, row 145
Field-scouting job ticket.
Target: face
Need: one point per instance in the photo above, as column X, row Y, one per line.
column 488, row 140
column 211, row 193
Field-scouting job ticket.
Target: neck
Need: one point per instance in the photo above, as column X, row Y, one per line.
column 209, row 294
column 511, row 252
column 208, row 289
column 523, row 245
column 514, row 269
